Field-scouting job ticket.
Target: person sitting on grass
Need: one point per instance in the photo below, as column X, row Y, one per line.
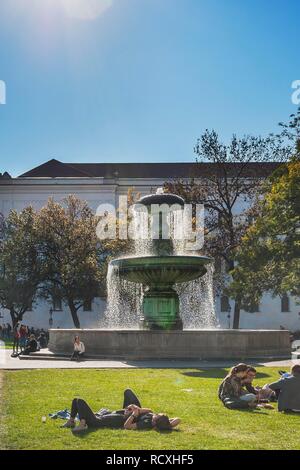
column 288, row 389
column 233, row 395
column 263, row 394
column 131, row 416
column 79, row 349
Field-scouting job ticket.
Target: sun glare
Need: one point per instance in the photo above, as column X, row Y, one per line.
column 86, row 9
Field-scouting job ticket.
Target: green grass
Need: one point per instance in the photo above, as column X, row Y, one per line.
column 7, row 344
column 189, row 394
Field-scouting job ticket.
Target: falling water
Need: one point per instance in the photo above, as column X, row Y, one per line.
column 124, row 298
column 123, row 302
column 196, row 299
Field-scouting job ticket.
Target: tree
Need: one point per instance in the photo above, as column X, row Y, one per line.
column 290, row 133
column 21, row 269
column 233, row 181
column 70, row 251
column 268, row 258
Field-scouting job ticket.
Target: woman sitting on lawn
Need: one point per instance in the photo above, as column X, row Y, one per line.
column 131, row 416
column 231, row 389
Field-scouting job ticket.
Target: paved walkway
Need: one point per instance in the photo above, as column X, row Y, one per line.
column 9, row 363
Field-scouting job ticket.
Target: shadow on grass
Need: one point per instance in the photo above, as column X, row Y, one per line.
column 216, row 374
column 146, row 431
column 253, row 411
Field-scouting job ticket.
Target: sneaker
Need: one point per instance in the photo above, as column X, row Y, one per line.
column 281, row 372
column 267, row 406
column 69, row 424
column 80, row 428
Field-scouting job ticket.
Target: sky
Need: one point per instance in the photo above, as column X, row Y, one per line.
column 140, row 80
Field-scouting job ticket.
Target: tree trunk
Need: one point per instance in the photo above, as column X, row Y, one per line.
column 73, row 311
column 236, row 314
column 15, row 317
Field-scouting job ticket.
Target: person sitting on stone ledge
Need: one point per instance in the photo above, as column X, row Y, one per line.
column 131, row 416
column 31, row 346
column 79, row 349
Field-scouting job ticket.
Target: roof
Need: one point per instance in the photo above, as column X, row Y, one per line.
column 55, row 169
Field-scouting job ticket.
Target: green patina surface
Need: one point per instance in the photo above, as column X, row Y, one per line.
column 158, row 274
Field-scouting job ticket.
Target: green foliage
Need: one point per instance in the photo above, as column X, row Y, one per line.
column 54, row 253
column 269, row 256
column 21, row 268
column 69, row 249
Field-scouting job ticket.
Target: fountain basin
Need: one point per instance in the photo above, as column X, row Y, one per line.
column 186, row 344
column 161, row 271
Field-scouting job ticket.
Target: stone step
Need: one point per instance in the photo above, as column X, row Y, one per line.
column 296, row 354
column 33, row 357
column 46, row 355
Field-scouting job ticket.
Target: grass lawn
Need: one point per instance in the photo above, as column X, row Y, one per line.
column 189, row 394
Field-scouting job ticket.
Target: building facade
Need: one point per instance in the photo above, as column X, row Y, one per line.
column 104, row 183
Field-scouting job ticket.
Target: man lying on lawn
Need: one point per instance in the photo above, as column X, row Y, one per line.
column 131, row 416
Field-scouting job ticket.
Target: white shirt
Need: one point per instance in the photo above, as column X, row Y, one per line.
column 79, row 347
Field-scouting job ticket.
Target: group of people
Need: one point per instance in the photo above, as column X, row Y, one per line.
column 5, row 332
column 26, row 340
column 237, row 391
column 132, row 416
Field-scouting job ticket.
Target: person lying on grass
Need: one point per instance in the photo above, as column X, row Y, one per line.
column 132, row 416
column 232, row 393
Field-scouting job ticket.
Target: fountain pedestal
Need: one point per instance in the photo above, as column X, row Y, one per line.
column 161, row 309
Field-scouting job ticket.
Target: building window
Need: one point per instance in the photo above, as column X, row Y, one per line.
column 285, row 303
column 87, row 305
column 225, row 306
column 57, row 304
column 254, row 309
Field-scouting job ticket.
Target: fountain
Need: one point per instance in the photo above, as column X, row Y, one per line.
column 160, row 272
column 143, row 318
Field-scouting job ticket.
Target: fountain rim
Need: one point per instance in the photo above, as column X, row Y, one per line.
column 161, row 259
column 164, row 198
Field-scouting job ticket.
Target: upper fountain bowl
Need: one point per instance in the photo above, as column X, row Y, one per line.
column 161, row 271
column 161, row 198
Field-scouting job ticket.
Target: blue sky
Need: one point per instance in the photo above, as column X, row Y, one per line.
column 141, row 80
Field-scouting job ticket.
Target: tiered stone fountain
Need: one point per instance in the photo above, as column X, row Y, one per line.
column 159, row 272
